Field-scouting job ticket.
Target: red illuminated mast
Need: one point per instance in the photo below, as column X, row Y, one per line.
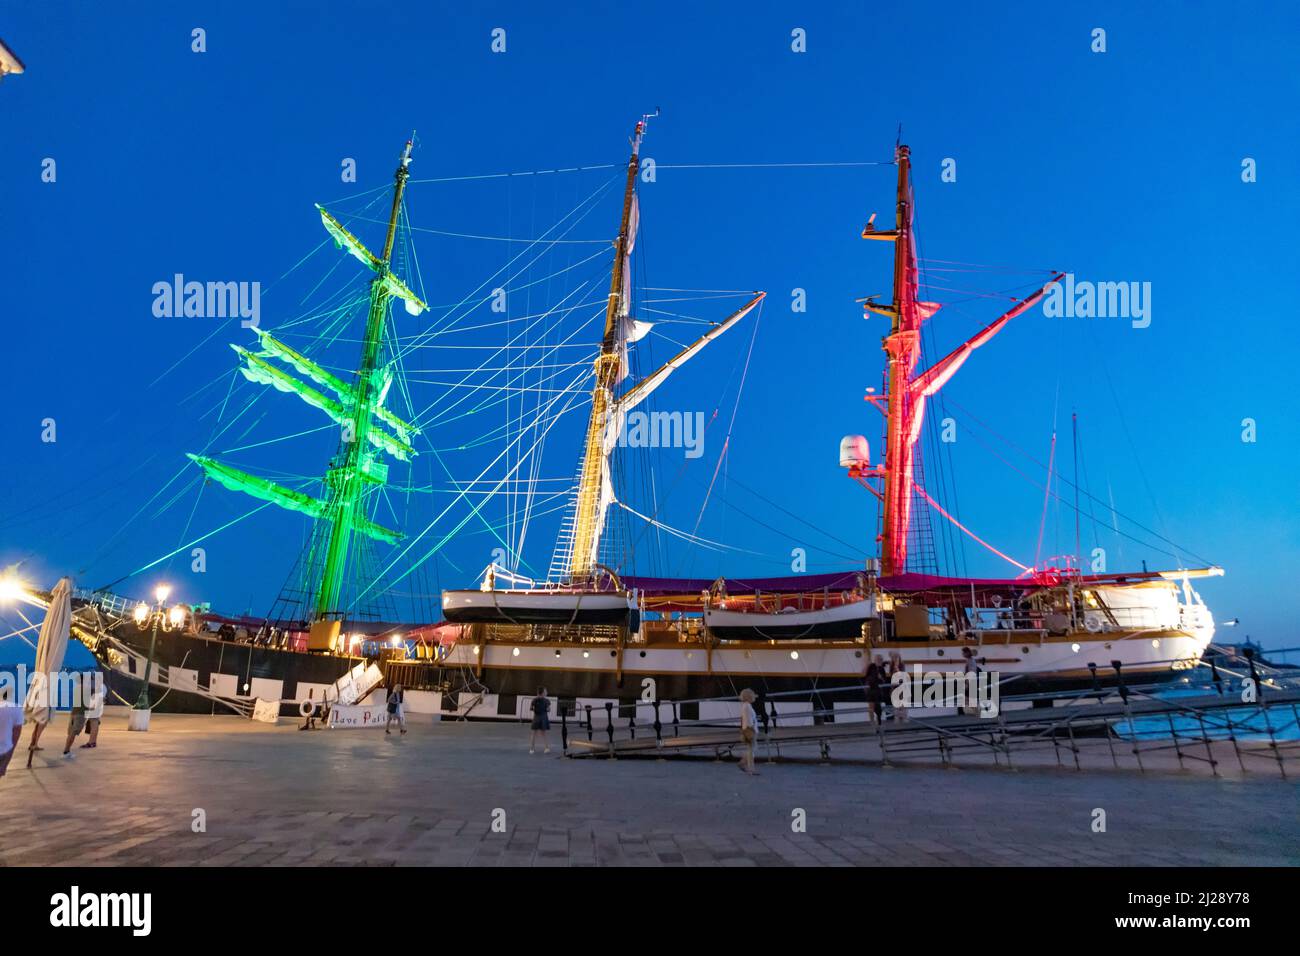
column 906, row 391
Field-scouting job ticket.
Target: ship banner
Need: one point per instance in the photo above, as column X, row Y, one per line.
column 267, row 711
column 359, row 715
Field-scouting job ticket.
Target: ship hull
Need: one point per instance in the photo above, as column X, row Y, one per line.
column 496, row 679
column 227, row 669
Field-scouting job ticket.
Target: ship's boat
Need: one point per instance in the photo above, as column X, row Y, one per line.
column 837, row 622
column 569, row 607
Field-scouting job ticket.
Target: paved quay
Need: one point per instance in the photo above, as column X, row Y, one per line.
column 454, row 794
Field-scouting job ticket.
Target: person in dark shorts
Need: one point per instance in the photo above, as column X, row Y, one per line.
column 875, row 688
column 541, row 721
column 76, row 724
column 396, row 712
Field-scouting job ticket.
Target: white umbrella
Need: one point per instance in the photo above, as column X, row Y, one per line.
column 50, row 649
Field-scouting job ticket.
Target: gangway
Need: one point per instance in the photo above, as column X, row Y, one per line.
column 1197, row 728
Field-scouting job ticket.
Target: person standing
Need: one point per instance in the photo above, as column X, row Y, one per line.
column 11, row 728
column 972, row 670
column 395, row 710
column 76, row 723
column 748, row 732
column 875, row 688
column 896, row 668
column 94, row 708
column 541, row 721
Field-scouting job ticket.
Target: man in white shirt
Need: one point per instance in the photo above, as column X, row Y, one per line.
column 748, row 731
column 11, row 728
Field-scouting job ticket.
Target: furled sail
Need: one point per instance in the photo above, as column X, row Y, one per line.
column 261, row 488
column 273, row 347
column 635, row 396
column 265, row 490
column 629, row 329
column 393, row 285
column 259, row 371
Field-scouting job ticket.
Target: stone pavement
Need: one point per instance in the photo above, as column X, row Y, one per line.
column 453, row 794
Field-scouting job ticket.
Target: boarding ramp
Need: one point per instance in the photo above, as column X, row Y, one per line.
column 1203, row 721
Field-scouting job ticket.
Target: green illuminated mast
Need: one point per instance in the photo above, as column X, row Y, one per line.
column 357, row 470
column 350, row 480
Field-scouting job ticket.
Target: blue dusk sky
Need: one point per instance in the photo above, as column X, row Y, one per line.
column 1117, row 166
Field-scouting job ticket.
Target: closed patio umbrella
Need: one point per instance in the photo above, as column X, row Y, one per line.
column 51, row 647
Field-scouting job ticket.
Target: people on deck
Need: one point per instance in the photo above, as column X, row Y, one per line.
column 748, row 731
column 541, row 721
column 395, row 710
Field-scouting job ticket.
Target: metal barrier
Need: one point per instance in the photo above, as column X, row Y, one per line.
column 1129, row 718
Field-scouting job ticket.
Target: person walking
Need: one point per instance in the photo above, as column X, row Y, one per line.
column 395, row 710
column 541, row 721
column 748, row 732
column 76, row 723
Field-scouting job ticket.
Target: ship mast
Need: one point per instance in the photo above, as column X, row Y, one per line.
column 353, row 469
column 902, row 347
column 906, row 391
column 608, row 367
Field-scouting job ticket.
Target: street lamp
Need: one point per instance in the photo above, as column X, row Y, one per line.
column 153, row 617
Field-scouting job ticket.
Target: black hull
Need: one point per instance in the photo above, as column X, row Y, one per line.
column 243, row 663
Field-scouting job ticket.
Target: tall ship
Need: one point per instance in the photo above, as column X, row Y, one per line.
column 592, row 631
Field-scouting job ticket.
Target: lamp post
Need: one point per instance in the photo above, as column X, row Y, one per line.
column 152, row 617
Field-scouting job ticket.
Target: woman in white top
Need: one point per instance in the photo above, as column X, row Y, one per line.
column 748, row 731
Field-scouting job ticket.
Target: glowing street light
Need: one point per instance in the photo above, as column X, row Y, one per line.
column 153, row 617
column 11, row 589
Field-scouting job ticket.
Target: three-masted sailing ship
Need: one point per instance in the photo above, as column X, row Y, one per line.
column 593, row 632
